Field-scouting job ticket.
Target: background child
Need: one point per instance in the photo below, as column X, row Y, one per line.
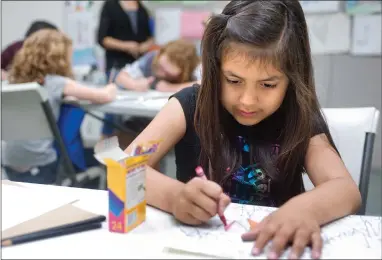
column 255, row 126
column 45, row 58
column 11, row 50
column 172, row 68
column 175, row 66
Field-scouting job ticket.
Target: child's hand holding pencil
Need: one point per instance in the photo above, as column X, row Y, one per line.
column 198, row 201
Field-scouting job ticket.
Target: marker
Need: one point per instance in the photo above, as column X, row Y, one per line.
column 200, row 172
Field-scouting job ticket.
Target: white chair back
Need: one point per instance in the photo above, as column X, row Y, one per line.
column 23, row 116
column 353, row 131
column 348, row 127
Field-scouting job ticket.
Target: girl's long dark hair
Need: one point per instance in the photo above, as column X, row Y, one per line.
column 278, row 32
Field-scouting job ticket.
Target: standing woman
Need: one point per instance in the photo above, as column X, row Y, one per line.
column 124, row 33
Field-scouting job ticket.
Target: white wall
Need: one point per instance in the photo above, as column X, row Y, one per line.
column 18, row 15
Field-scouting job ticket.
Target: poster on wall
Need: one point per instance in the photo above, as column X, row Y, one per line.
column 311, row 7
column 167, row 25
column 80, row 28
column 367, row 33
column 363, row 7
column 193, row 23
column 329, row 33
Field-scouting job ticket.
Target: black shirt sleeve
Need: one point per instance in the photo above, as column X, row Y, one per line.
column 104, row 23
column 187, row 150
column 319, row 125
column 187, row 99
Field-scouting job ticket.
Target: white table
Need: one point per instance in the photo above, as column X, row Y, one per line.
column 146, row 241
column 132, row 103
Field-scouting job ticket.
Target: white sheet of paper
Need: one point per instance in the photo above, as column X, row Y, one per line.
column 367, row 33
column 20, row 204
column 167, row 25
column 329, row 33
column 310, row 6
column 80, row 28
column 352, row 237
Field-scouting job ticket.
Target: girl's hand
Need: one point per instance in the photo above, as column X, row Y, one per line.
column 111, row 92
column 288, row 224
column 164, row 86
column 143, row 84
column 198, row 201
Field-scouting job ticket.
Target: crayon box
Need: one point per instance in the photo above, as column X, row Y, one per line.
column 126, row 175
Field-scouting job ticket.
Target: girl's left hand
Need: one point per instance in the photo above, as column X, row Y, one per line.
column 287, row 224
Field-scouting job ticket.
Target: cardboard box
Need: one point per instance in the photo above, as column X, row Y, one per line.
column 126, row 182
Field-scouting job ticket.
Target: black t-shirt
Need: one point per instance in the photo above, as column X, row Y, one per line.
column 248, row 185
column 116, row 23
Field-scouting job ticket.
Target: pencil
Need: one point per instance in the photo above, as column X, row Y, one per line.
column 111, row 75
column 48, row 233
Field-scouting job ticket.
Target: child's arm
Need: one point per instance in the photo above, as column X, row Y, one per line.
column 335, row 194
column 125, row 80
column 146, row 45
column 132, row 76
column 95, row 95
column 194, row 202
column 169, row 126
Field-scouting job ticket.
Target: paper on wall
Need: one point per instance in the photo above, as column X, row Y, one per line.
column 310, row 6
column 167, row 25
column 363, row 7
column 329, row 33
column 367, row 33
column 193, row 24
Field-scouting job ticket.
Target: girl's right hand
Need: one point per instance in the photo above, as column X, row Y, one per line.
column 198, row 201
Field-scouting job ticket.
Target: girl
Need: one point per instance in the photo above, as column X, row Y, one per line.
column 255, row 127
column 9, row 52
column 173, row 67
column 45, row 58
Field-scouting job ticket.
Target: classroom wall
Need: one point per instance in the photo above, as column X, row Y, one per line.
column 342, row 80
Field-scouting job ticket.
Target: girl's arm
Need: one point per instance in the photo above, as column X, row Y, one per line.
column 169, row 126
column 146, row 45
column 95, row 95
column 335, row 194
column 125, row 80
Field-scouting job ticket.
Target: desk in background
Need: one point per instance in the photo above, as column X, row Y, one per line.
column 130, row 103
column 147, row 240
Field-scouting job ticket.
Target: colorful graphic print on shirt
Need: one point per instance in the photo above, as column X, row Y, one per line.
column 249, row 185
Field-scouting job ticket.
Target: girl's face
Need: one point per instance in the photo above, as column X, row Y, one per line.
column 251, row 90
column 166, row 69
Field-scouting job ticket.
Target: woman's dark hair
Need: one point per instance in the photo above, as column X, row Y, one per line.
column 276, row 32
column 38, row 25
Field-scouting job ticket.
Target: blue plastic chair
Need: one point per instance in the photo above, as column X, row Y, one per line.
column 69, row 124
